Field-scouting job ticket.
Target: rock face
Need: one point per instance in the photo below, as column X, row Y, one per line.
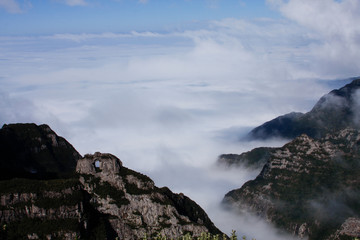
column 254, row 159
column 135, row 206
column 32, row 151
column 308, row 187
column 350, row 228
column 47, row 199
column 41, row 209
column 337, row 110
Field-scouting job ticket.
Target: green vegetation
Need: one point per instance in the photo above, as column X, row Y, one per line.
column 203, row 236
column 20, row 229
column 104, row 189
column 44, row 194
column 253, row 159
column 126, row 171
column 320, row 187
column 21, row 185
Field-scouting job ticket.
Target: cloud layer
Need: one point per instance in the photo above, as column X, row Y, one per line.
column 332, row 24
column 168, row 104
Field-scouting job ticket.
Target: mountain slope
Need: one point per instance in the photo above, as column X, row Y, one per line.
column 254, row 159
column 135, row 206
column 32, row 151
column 308, row 187
column 56, row 194
column 334, row 111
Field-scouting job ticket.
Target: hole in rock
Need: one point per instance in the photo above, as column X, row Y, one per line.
column 97, row 163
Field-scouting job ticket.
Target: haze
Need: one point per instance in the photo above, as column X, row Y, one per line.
column 167, row 86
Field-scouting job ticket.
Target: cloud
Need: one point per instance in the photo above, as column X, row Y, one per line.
column 74, row 2
column 356, row 107
column 14, row 109
column 332, row 25
column 212, row 3
column 164, row 102
column 247, row 225
column 12, row 6
column 84, row 37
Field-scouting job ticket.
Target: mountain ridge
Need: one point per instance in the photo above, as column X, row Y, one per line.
column 310, row 186
column 35, row 151
column 334, row 111
column 97, row 198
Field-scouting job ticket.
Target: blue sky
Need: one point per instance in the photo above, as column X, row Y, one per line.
column 49, row 16
column 168, row 86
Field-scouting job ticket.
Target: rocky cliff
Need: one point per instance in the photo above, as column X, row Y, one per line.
column 309, row 187
column 134, row 205
column 48, row 191
column 32, row 151
column 336, row 110
column 254, row 159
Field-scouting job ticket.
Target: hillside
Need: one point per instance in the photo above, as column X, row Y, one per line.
column 32, row 151
column 334, row 111
column 308, row 187
column 254, row 159
column 57, row 194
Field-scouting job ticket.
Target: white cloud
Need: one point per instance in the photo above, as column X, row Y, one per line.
column 107, row 35
column 74, row 2
column 12, row 6
column 164, row 102
column 333, row 24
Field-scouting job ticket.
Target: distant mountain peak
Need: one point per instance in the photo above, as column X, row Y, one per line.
column 334, row 111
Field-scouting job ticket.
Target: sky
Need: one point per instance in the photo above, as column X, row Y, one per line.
column 167, row 86
column 93, row 16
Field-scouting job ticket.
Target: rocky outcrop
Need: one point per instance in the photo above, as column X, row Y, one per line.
column 38, row 209
column 308, row 187
column 49, row 192
column 32, row 151
column 337, row 110
column 349, row 229
column 254, row 159
column 135, row 206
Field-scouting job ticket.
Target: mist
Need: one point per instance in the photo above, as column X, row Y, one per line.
column 168, row 104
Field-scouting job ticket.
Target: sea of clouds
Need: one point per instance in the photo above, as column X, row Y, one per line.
column 168, row 104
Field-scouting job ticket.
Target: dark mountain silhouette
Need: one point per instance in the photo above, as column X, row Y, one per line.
column 334, row 111
column 32, row 151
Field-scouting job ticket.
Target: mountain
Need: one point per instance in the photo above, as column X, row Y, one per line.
column 254, row 159
column 309, row 187
column 32, row 151
column 135, row 206
column 50, row 192
column 334, row 111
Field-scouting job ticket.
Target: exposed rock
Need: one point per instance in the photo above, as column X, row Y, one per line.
column 136, row 207
column 350, row 229
column 254, row 159
column 29, row 210
column 101, row 200
column 108, row 164
column 308, row 187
